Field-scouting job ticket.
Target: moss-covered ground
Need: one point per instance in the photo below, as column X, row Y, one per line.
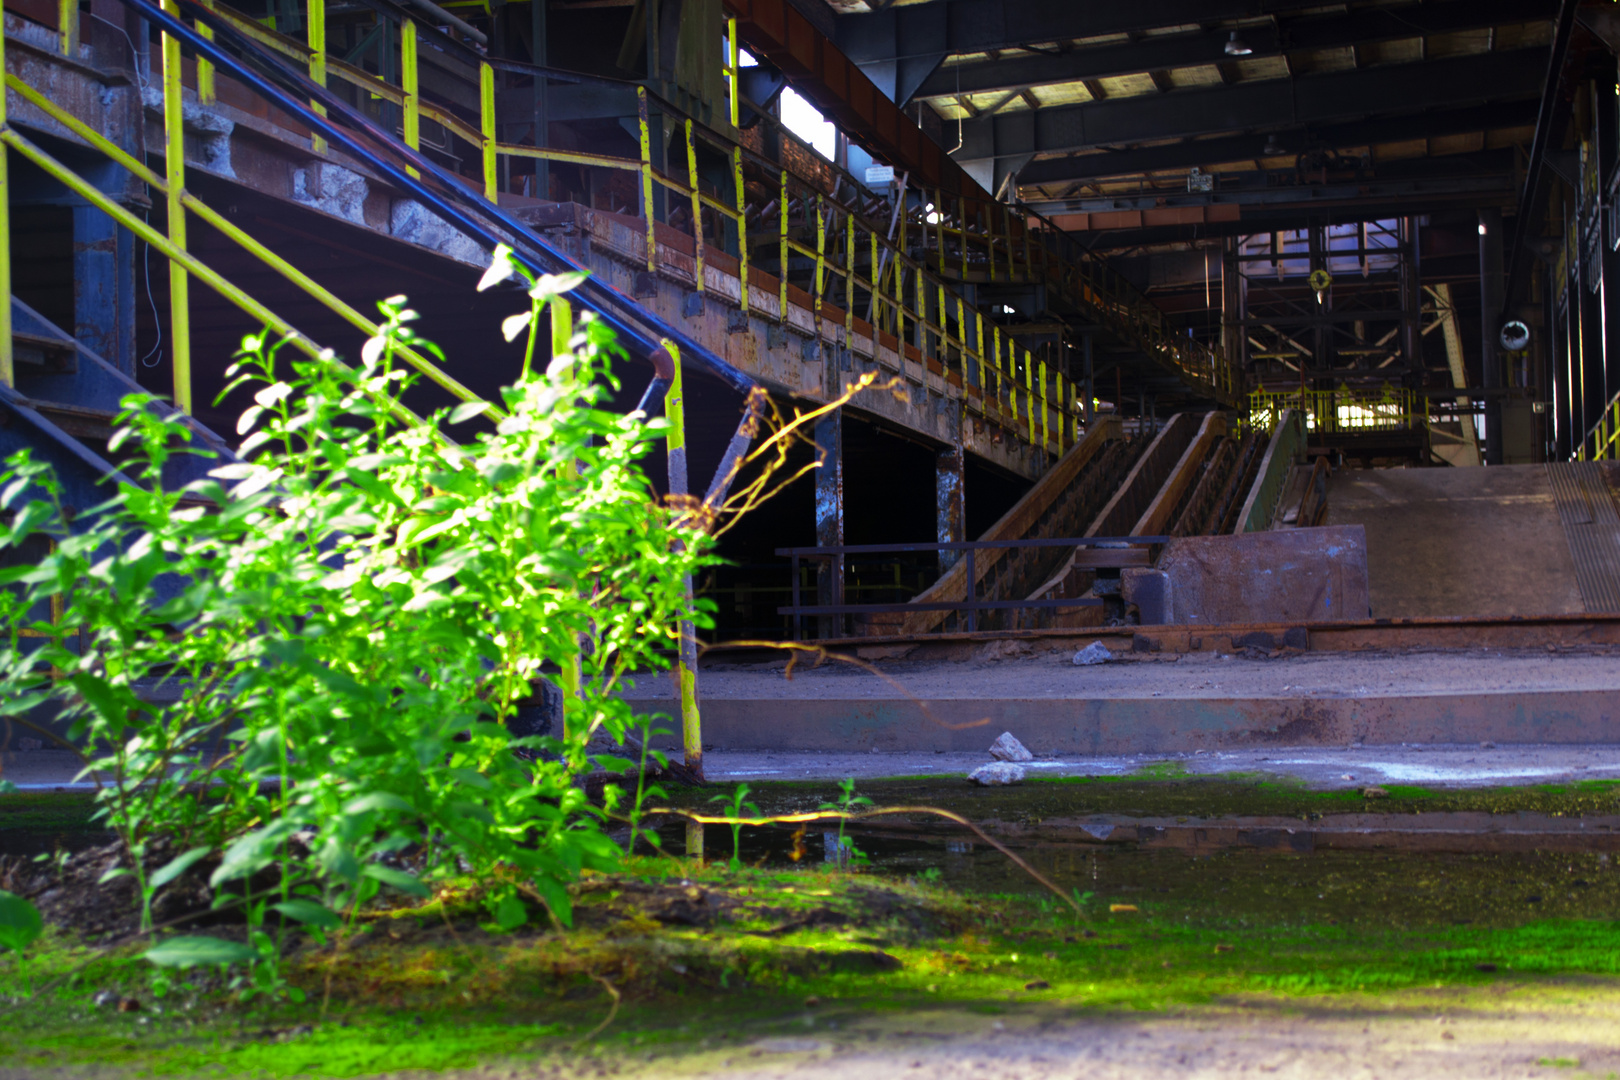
column 669, row 957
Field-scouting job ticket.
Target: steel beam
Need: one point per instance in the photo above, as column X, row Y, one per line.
column 1280, row 103
column 1163, row 52
column 830, row 517
column 949, row 502
column 1204, row 152
column 964, row 26
column 1551, row 119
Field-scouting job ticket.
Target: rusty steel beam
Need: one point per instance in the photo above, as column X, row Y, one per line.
column 1355, row 635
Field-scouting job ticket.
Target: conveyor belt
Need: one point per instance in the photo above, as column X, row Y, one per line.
column 1592, row 525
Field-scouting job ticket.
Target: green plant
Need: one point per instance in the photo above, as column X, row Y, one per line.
column 352, row 615
column 735, row 807
column 20, row 927
column 844, row 806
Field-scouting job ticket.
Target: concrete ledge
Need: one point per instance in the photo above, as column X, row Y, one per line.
column 1153, row 725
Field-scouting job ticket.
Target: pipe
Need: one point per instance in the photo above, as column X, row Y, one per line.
column 609, row 302
column 438, row 14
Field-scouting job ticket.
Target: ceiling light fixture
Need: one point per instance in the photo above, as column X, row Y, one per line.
column 1236, row 46
column 1272, row 147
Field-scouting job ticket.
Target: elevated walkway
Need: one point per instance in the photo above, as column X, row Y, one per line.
column 794, row 278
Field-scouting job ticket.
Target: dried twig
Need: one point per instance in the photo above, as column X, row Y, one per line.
column 833, row 815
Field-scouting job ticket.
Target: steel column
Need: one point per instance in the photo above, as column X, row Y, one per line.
column 949, row 503
column 104, row 287
column 830, row 517
column 1490, row 297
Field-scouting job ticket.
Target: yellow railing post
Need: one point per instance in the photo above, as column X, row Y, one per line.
column 849, row 277
column 486, row 125
column 207, row 92
column 742, row 214
column 733, row 70
column 877, row 291
column 317, row 61
column 782, row 257
column 686, row 659
column 697, row 206
column 174, row 170
column 978, row 327
column 821, row 261
column 1045, row 412
column 67, row 19
column 411, row 120
column 647, row 178
column 7, row 375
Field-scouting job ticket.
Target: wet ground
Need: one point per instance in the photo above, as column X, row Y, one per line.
column 1471, row 765
column 1385, row 961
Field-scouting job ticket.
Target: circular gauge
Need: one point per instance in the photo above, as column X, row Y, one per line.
column 1515, row 335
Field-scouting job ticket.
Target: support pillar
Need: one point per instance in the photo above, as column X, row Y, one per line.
column 1089, row 376
column 1490, row 298
column 830, row 518
column 104, row 287
column 949, row 503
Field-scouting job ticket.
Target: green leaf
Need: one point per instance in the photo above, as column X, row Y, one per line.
column 175, row 867
column 500, row 269
column 399, row 879
column 513, row 325
column 377, row 800
column 510, row 913
column 185, row 952
column 551, row 285
column 467, row 410
column 308, row 911
column 20, row 922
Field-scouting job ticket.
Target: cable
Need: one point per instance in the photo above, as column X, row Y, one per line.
column 134, row 56
column 157, row 320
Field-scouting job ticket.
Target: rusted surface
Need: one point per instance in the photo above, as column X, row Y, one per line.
column 1016, row 523
column 1356, row 635
column 1306, row 575
column 1159, row 514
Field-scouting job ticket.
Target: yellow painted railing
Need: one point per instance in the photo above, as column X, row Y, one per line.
column 903, row 274
column 1341, row 411
column 1602, row 442
column 183, row 265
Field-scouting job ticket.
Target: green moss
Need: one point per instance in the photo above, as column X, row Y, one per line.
column 1162, row 791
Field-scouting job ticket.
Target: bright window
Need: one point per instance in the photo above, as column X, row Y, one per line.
column 801, row 118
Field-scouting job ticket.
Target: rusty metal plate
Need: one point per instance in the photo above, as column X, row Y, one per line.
column 1287, row 575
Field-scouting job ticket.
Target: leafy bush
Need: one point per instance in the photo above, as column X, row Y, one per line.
column 348, row 619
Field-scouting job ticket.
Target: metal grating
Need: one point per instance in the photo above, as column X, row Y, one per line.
column 1592, row 525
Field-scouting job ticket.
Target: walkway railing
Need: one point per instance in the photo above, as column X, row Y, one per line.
column 903, row 273
column 1602, row 440
column 1342, row 411
column 1104, row 551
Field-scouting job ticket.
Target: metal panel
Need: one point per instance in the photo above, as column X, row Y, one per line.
column 1309, row 575
column 1503, row 76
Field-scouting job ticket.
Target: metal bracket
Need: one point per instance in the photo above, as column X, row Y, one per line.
column 736, row 321
column 646, row 285
column 810, row 350
column 692, row 306
column 775, row 337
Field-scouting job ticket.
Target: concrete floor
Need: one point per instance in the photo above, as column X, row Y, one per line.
column 1313, row 766
column 1459, row 541
column 1158, row 704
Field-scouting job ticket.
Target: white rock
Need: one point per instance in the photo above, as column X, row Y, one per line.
column 1007, row 748
column 997, row 772
column 1095, row 653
